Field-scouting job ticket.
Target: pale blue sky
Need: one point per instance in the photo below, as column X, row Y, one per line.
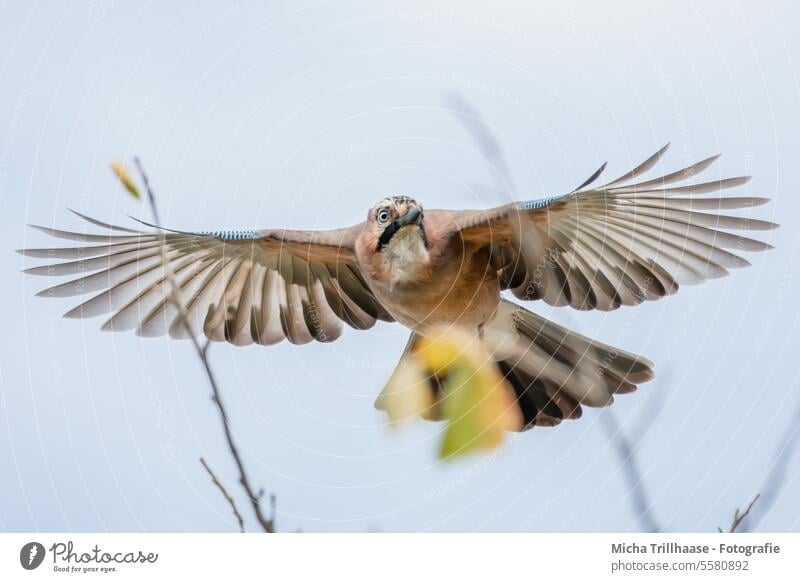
column 304, row 114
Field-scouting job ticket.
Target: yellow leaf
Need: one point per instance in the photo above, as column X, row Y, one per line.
column 477, row 403
column 121, row 172
column 407, row 393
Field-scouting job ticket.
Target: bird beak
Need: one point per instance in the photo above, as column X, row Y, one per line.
column 413, row 216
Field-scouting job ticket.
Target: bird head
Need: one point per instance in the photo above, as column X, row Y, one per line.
column 392, row 248
column 394, row 218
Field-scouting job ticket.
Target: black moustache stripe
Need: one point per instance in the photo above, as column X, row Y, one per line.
column 387, row 235
column 392, row 229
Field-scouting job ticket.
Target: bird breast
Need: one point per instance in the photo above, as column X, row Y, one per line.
column 421, row 291
column 406, row 257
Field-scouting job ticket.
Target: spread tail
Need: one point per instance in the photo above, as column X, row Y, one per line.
column 552, row 370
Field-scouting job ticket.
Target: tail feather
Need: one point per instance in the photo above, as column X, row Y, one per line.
column 598, row 371
column 553, row 371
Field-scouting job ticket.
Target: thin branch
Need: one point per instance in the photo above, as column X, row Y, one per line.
column 150, row 195
column 490, row 148
column 776, row 478
column 255, row 500
column 225, row 493
column 630, row 469
column 653, row 404
column 738, row 517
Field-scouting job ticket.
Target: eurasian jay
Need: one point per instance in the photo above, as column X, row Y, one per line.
column 598, row 247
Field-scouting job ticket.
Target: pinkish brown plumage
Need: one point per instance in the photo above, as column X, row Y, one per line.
column 594, row 248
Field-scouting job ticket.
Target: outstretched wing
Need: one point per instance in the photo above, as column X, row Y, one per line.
column 237, row 286
column 618, row 244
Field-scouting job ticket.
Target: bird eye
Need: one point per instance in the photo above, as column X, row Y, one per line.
column 383, row 215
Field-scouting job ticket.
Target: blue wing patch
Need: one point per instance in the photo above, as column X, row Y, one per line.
column 230, row 234
column 537, row 204
column 220, row 234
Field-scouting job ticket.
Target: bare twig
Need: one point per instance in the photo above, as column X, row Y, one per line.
column 653, row 405
column 150, row 195
column 630, row 469
column 225, row 493
column 773, row 483
column 490, row 148
column 255, row 500
column 738, row 517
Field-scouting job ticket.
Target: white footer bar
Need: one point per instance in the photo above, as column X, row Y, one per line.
column 402, row 557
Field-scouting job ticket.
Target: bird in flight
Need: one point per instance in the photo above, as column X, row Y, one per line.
column 597, row 247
